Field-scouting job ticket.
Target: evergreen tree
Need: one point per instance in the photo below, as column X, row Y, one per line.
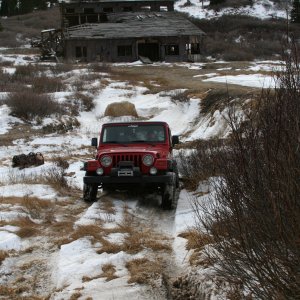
column 26, row 6
column 40, row 4
column 216, row 2
column 295, row 13
column 9, row 7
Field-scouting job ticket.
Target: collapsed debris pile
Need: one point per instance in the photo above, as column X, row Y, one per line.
column 31, row 159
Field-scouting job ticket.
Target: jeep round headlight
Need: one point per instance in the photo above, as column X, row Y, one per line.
column 106, row 161
column 148, row 160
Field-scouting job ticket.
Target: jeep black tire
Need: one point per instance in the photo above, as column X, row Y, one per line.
column 168, row 196
column 90, row 192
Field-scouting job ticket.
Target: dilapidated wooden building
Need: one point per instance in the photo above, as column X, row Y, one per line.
column 124, row 31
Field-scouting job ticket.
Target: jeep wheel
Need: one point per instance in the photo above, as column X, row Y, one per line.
column 168, row 196
column 90, row 192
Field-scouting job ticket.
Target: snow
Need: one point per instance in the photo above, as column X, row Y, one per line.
column 263, row 9
column 9, row 241
column 251, row 80
column 79, row 258
column 6, row 121
column 28, row 190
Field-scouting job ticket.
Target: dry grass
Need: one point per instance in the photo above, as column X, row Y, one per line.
column 108, row 206
column 119, row 109
column 3, row 255
column 109, row 271
column 15, row 293
column 143, row 271
column 137, row 237
column 27, row 228
column 36, row 207
column 87, row 230
column 196, row 240
column 75, row 296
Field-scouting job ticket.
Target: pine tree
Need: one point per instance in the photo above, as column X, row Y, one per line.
column 8, row 7
column 216, row 2
column 295, row 12
column 40, row 4
column 26, row 6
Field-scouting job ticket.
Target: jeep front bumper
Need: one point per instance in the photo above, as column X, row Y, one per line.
column 168, row 178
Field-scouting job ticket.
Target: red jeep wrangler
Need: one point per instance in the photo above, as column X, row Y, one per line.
column 133, row 155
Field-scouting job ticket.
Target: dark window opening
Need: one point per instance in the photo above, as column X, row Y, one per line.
column 73, row 21
column 125, row 50
column 70, row 10
column 193, row 48
column 103, row 18
column 172, row 49
column 92, row 18
column 81, row 52
column 127, row 8
column 82, row 19
column 87, row 10
column 108, row 9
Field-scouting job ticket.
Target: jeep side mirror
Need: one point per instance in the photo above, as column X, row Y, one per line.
column 175, row 139
column 94, row 142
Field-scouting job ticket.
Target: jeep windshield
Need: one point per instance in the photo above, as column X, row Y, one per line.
column 134, row 133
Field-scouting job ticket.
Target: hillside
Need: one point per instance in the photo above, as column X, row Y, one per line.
column 233, row 233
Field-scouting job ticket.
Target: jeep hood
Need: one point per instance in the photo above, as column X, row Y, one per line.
column 162, row 152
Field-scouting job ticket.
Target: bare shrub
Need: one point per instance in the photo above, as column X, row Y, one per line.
column 119, row 109
column 85, row 100
column 255, row 216
column 237, row 37
column 28, row 105
column 200, row 163
column 61, row 68
column 24, row 71
column 47, row 85
column 177, row 96
column 213, row 101
column 61, row 162
column 55, row 177
column 100, row 67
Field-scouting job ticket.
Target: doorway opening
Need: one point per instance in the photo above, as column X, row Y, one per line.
column 150, row 50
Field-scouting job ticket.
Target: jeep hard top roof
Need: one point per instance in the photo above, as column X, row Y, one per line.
column 136, row 123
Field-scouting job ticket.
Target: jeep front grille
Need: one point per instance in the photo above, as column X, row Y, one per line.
column 135, row 158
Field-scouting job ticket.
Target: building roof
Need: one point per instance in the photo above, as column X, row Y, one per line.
column 104, row 1
column 136, row 25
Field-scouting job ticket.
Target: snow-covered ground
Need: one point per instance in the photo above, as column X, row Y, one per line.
column 76, row 265
column 263, row 9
